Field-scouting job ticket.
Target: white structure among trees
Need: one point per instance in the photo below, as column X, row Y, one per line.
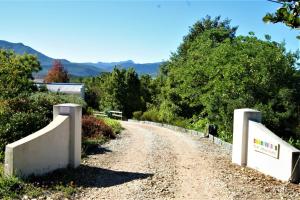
column 66, row 88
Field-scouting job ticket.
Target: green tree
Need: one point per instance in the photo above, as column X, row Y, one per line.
column 16, row 73
column 113, row 90
column 133, row 92
column 183, row 73
column 218, row 72
column 249, row 72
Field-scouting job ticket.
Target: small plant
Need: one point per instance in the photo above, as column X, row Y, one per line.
column 93, row 128
column 181, row 122
column 200, row 125
column 151, row 115
column 13, row 188
column 294, row 142
column 137, row 115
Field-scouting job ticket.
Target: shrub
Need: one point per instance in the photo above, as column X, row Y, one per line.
column 200, row 125
column 20, row 118
column 89, row 111
column 24, row 115
column 11, row 187
column 93, row 128
column 168, row 112
column 294, row 142
column 181, row 122
column 47, row 100
column 137, row 115
column 114, row 124
column 151, row 115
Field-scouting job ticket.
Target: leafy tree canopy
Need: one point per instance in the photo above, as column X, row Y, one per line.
column 288, row 13
column 57, row 73
column 16, row 73
column 215, row 76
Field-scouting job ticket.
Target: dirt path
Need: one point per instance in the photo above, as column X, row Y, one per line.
column 149, row 162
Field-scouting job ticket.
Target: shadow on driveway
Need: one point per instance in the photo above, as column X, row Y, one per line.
column 87, row 176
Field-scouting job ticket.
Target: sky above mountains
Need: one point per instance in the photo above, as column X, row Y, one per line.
column 144, row 31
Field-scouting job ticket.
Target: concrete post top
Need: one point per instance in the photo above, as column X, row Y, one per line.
column 67, row 105
column 246, row 110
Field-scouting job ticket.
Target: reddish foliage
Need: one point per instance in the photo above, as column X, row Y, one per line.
column 57, row 73
column 93, row 127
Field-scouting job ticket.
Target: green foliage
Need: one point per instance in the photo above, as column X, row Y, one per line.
column 13, row 187
column 93, row 128
column 10, row 187
column 168, row 111
column 133, row 93
column 19, row 119
column 16, row 73
column 33, row 187
column 200, row 125
column 181, row 122
column 213, row 72
column 113, row 91
column 89, row 111
column 24, row 115
column 47, row 100
column 151, row 115
column 121, row 90
column 294, row 142
column 96, row 131
column 92, row 96
column 288, row 13
column 114, row 124
column 137, row 115
column 150, row 88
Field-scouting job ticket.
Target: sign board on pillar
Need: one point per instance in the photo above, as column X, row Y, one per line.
column 266, row 147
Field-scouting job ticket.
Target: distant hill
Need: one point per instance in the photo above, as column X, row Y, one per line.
column 80, row 69
column 145, row 68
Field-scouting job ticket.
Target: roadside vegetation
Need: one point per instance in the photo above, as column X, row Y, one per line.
column 24, row 109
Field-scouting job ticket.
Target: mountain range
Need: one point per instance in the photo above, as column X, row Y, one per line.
column 80, row 69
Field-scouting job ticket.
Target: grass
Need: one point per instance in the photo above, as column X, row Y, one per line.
column 13, row 187
column 33, row 187
column 114, row 124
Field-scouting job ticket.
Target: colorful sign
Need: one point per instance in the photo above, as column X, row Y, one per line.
column 266, row 148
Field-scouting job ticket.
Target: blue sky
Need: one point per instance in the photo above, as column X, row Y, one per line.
column 144, row 31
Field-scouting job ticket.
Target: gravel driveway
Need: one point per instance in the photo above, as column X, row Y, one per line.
column 149, row 162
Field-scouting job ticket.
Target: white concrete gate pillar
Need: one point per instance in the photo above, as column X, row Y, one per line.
column 74, row 111
column 240, row 133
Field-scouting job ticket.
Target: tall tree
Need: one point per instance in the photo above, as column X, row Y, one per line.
column 133, row 92
column 181, row 94
column 16, row 73
column 113, row 90
column 218, row 72
column 57, row 74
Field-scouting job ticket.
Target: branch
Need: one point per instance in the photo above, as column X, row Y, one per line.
column 276, row 2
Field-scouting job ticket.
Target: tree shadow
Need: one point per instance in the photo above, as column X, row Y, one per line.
column 87, row 176
column 95, row 149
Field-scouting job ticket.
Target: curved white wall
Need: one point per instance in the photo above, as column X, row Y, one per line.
column 58, row 145
column 40, row 152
